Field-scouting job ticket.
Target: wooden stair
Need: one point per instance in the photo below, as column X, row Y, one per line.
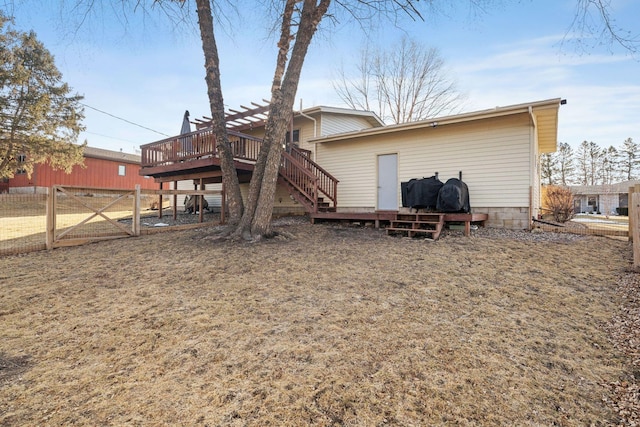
column 415, row 224
column 304, row 198
column 306, row 181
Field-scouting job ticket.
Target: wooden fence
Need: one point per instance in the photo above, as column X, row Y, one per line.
column 634, row 223
column 68, row 216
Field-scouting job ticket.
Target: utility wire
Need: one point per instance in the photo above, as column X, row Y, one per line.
column 110, row 137
column 124, row 120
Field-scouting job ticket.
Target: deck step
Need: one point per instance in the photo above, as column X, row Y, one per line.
column 416, row 224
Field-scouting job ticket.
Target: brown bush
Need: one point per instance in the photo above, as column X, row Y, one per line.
column 559, row 201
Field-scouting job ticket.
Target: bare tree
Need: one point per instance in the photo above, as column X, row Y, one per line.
column 594, row 26
column 559, row 201
column 299, row 20
column 403, row 83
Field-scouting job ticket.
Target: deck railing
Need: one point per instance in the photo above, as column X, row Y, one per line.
column 327, row 184
column 306, row 176
column 197, row 145
column 301, row 179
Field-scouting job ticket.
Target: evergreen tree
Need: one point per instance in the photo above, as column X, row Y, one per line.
column 39, row 118
column 582, row 159
column 548, row 168
column 609, row 165
column 629, row 159
column 565, row 162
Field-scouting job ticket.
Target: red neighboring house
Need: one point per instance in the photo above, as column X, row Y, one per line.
column 103, row 169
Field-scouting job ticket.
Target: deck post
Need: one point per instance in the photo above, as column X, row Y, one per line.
column 201, row 199
column 223, row 204
column 175, row 201
column 160, row 202
column 136, row 212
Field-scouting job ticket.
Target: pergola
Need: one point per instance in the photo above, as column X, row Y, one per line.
column 249, row 118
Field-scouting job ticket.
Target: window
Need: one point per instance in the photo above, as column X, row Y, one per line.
column 296, row 136
column 21, row 159
column 121, row 170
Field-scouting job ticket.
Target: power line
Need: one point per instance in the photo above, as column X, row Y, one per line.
column 110, row 137
column 124, row 120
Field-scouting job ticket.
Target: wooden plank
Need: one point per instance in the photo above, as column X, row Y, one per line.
column 473, row 217
column 183, row 192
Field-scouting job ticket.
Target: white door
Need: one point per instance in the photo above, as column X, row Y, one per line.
column 388, row 182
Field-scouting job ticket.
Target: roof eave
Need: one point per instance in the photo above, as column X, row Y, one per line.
column 448, row 120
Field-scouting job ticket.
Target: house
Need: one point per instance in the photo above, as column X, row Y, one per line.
column 102, row 169
column 605, row 199
column 357, row 163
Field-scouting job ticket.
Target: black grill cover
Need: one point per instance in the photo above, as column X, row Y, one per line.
column 454, row 197
column 421, row 193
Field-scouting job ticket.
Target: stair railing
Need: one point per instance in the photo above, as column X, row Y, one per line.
column 327, row 183
column 301, row 179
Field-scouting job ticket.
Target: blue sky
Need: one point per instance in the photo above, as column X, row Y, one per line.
column 150, row 71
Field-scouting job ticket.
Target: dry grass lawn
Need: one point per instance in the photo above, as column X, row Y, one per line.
column 329, row 326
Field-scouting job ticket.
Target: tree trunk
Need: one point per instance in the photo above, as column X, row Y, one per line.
column 283, row 97
column 216, row 102
column 256, row 220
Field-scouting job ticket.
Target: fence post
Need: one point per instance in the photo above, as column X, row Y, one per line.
column 635, row 231
column 631, row 213
column 51, row 217
column 136, row 211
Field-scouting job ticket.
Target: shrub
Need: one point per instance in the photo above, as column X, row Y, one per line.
column 559, row 201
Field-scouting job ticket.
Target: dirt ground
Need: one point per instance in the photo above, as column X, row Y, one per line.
column 324, row 325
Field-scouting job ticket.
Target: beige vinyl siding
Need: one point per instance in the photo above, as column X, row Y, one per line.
column 494, row 157
column 282, row 198
column 338, row 123
column 214, row 201
column 306, row 132
column 536, row 201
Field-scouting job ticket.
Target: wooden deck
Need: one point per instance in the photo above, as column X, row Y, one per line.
column 194, row 156
column 410, row 224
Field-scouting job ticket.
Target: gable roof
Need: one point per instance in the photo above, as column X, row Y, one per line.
column 543, row 113
column 369, row 116
column 100, row 153
column 617, row 188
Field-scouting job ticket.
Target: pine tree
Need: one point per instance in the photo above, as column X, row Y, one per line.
column 565, row 161
column 629, row 159
column 548, row 168
column 609, row 166
column 39, row 118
